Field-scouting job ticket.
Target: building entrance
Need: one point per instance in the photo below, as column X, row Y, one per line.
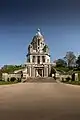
column 39, row 72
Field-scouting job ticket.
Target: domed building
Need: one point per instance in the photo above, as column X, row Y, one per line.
column 38, row 62
column 38, row 58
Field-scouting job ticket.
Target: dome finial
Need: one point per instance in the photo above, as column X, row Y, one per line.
column 38, row 32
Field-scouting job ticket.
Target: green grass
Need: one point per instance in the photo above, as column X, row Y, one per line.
column 7, row 83
column 72, row 82
column 62, row 69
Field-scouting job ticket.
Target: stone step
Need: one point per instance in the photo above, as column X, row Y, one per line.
column 40, row 80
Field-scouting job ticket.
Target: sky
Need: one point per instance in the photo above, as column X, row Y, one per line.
column 59, row 21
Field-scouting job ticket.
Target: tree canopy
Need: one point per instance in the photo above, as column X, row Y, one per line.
column 70, row 59
column 78, row 61
column 61, row 63
column 10, row 68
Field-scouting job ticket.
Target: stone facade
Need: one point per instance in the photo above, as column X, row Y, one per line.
column 38, row 58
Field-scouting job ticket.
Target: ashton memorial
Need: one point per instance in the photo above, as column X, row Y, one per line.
column 38, row 57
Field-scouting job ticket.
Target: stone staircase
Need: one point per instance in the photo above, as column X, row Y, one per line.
column 41, row 79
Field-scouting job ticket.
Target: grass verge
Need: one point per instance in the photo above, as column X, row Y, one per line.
column 72, row 82
column 7, row 83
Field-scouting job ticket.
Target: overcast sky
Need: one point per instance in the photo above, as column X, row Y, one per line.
column 59, row 21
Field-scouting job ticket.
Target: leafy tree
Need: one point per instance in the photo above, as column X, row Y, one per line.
column 10, row 68
column 78, row 61
column 70, row 59
column 61, row 63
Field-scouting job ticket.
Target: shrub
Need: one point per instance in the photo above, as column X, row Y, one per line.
column 62, row 79
column 18, row 79
column 67, row 79
column 8, row 79
column 79, row 76
column 12, row 79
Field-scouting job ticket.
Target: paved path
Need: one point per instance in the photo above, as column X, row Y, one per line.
column 39, row 101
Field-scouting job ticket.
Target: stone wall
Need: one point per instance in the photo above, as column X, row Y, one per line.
column 6, row 76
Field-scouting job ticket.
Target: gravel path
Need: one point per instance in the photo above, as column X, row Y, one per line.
column 39, row 101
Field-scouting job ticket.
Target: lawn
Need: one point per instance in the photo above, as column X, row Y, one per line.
column 7, row 83
column 72, row 82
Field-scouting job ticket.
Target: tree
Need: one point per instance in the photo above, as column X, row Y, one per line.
column 61, row 63
column 70, row 59
column 78, row 61
column 10, row 68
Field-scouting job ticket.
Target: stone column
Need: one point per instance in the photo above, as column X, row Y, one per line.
column 33, row 71
column 45, row 71
column 42, row 73
column 49, row 69
column 31, row 58
column 30, row 71
column 36, row 59
column 45, row 59
column 40, row 59
column 76, row 77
